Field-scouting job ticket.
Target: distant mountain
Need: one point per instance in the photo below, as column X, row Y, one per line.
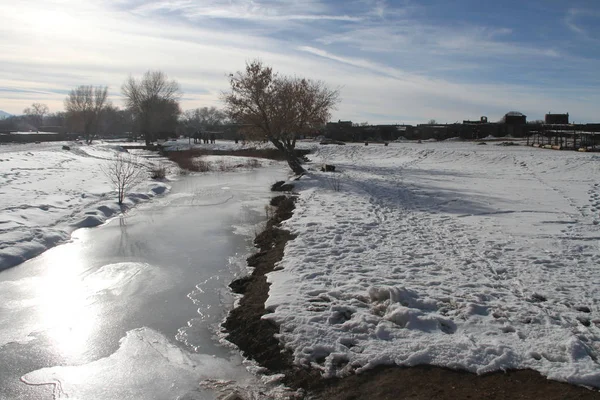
column 4, row 115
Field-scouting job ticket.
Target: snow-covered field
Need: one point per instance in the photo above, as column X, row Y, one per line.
column 46, row 192
column 452, row 254
column 482, row 258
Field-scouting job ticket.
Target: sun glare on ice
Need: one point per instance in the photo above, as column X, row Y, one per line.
column 65, row 309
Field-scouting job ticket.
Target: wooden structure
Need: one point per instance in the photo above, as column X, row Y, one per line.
column 565, row 136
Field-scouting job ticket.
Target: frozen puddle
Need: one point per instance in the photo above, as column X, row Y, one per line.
column 146, row 365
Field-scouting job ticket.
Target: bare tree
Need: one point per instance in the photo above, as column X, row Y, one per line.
column 432, row 122
column 56, row 119
column 124, row 172
column 278, row 108
column 204, row 118
column 115, row 122
column 84, row 106
column 36, row 113
column 154, row 100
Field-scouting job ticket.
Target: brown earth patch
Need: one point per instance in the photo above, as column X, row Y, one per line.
column 256, row 339
column 187, row 159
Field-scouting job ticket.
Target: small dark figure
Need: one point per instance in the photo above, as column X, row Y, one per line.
column 196, row 136
column 212, row 138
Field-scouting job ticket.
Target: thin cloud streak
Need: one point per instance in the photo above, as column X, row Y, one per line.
column 570, row 20
column 245, row 10
column 477, row 42
column 575, row 14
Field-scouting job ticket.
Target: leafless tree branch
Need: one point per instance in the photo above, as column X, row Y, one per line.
column 124, row 172
column 278, row 108
column 154, row 100
column 85, row 105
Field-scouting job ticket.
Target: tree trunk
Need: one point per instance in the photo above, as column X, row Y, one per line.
column 294, row 162
column 290, row 157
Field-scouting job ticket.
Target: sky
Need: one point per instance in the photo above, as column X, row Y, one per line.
column 393, row 61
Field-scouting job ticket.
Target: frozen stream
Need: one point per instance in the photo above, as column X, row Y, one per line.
column 129, row 310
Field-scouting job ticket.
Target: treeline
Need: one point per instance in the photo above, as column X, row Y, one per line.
column 261, row 104
column 152, row 111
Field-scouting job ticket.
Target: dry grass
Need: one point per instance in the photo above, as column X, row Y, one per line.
column 191, row 160
column 187, row 159
column 334, row 181
column 158, row 171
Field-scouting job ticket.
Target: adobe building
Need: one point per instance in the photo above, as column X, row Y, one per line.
column 515, row 124
column 515, row 118
column 557, row 119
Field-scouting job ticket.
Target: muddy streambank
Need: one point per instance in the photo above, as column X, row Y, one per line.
column 255, row 337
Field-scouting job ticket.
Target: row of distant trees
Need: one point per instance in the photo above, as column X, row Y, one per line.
column 264, row 104
column 152, row 104
column 152, row 110
column 111, row 120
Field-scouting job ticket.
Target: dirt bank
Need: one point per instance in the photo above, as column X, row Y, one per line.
column 255, row 338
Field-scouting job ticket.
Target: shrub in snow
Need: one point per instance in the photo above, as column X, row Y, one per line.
column 124, row 172
column 158, row 171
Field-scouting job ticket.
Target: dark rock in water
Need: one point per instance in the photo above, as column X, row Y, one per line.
column 240, row 285
column 328, row 168
column 65, row 147
column 584, row 309
column 281, row 186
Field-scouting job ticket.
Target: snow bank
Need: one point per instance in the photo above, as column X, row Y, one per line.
column 47, row 192
column 447, row 254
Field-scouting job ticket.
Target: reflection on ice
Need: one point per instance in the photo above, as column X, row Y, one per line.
column 64, row 309
column 146, row 366
column 69, row 306
column 118, row 277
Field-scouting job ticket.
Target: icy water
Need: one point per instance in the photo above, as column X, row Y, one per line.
column 130, row 310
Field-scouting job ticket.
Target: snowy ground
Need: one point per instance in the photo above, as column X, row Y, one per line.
column 452, row 254
column 475, row 257
column 46, row 192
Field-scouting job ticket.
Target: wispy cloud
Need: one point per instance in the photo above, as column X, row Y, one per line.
column 306, row 10
column 409, row 37
column 570, row 20
column 581, row 21
column 359, row 63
